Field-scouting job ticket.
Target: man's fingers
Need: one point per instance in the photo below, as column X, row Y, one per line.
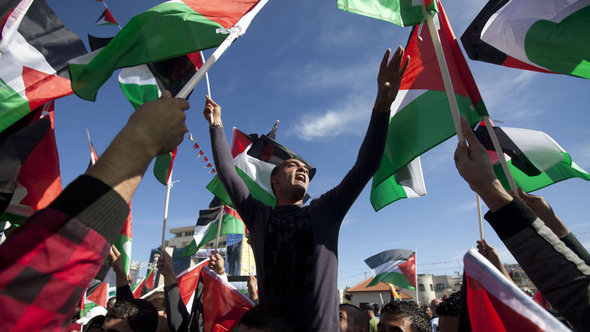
column 182, row 103
column 383, row 65
column 404, row 66
column 115, row 251
column 396, row 59
column 461, row 153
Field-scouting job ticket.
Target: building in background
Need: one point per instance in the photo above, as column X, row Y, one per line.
column 379, row 293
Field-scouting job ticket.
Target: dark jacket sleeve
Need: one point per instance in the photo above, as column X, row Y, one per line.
column 72, row 238
column 559, row 274
column 124, row 293
column 178, row 316
column 572, row 242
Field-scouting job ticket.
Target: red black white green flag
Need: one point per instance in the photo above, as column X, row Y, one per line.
column 106, row 18
column 35, row 47
column 396, row 266
column 548, row 36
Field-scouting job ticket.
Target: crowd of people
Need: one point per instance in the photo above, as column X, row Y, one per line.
column 49, row 261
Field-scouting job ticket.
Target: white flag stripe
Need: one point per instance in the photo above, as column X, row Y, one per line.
column 480, row 269
column 538, row 147
column 391, row 266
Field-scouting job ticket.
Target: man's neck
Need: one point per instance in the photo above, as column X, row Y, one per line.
column 285, row 202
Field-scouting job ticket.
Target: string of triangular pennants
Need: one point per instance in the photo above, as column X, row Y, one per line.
column 200, row 154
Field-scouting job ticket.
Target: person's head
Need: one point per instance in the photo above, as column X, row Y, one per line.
column 377, row 309
column 136, row 315
column 352, row 319
column 368, row 309
column 111, row 302
column 433, row 305
column 95, row 324
column 290, row 180
column 158, row 300
column 403, row 316
column 265, row 317
column 448, row 313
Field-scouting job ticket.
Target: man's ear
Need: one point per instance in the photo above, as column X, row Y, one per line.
column 273, row 179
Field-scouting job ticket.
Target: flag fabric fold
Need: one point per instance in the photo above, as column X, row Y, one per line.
column 400, row 12
column 188, row 281
column 168, row 30
column 396, row 266
column 495, row 303
column 421, row 115
column 540, row 35
column 35, row 47
column 39, row 181
column 534, row 159
column 208, row 223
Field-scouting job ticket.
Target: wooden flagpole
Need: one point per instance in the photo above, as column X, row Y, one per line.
column 479, row 217
column 166, row 202
column 500, row 153
column 219, row 228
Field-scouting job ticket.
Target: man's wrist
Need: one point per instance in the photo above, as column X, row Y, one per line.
column 493, row 194
column 216, row 125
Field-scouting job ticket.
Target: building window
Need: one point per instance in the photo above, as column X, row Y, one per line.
column 421, row 287
column 431, row 289
column 440, row 287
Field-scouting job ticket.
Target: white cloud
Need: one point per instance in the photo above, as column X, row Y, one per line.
column 333, row 122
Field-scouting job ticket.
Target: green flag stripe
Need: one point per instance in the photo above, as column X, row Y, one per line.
column 138, row 94
column 564, row 170
column 419, row 126
column 257, row 192
column 386, row 193
column 12, row 106
column 563, row 47
column 395, row 278
column 230, row 225
column 400, row 12
column 123, row 243
column 168, row 30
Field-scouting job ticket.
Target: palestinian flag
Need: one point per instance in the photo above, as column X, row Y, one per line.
column 254, row 158
column 144, row 83
column 39, row 181
column 408, row 182
column 35, row 49
column 188, row 281
column 93, row 154
column 146, row 283
column 168, row 30
column 549, row 37
column 396, row 266
column 207, row 224
column 394, row 294
column 16, row 144
column 495, row 303
column 223, row 304
column 97, row 294
column 400, row 12
column 421, row 116
column 533, row 157
column 106, row 18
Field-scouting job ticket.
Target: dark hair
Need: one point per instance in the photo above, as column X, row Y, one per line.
column 141, row 315
column 95, row 322
column 411, row 310
column 376, row 307
column 158, row 300
column 359, row 316
column 267, row 317
column 450, row 306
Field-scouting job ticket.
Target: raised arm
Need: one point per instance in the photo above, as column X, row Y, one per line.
column 233, row 184
column 371, row 151
column 559, row 274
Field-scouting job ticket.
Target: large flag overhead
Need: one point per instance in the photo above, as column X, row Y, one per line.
column 541, row 35
column 400, row 12
column 254, row 158
column 495, row 303
column 208, row 223
column 168, row 30
column 533, row 157
column 39, row 181
column 396, row 266
column 34, row 49
column 421, row 115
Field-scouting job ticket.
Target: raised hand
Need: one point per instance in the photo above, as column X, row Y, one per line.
column 389, row 78
column 212, row 113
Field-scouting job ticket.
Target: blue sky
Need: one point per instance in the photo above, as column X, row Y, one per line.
column 313, row 67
